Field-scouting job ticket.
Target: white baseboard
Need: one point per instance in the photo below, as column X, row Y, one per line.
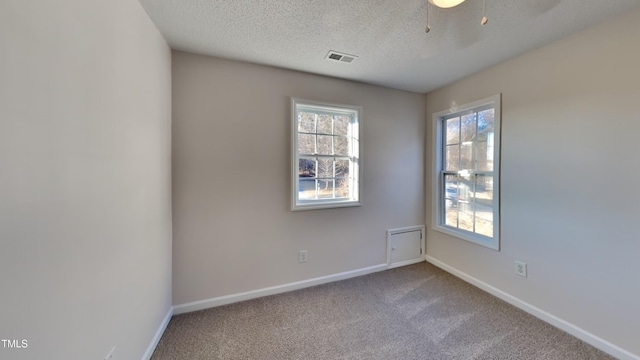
column 228, row 299
column 561, row 324
column 158, row 335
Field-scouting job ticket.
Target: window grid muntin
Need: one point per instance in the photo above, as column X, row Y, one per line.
column 473, row 173
column 316, row 156
column 317, row 178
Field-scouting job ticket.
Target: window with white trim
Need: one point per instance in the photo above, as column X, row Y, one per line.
column 326, row 155
column 466, row 185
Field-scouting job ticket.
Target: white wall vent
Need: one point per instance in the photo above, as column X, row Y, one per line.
column 405, row 246
column 341, row 57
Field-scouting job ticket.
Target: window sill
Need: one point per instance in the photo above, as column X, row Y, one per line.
column 317, row 205
column 491, row 243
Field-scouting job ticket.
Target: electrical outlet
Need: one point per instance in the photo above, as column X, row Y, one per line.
column 110, row 354
column 302, row 256
column 521, row 268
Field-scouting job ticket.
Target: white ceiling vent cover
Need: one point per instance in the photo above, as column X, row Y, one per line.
column 341, row 57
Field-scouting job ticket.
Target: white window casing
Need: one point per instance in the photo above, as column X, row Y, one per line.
column 325, row 155
column 466, row 174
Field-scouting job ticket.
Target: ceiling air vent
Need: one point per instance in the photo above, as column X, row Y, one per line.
column 341, row 57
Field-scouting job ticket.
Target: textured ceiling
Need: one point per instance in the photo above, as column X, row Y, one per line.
column 387, row 35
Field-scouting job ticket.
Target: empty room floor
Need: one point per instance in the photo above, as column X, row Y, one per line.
column 412, row 312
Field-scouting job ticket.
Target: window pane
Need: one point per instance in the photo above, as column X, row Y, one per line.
column 342, row 188
column 341, row 145
column 306, row 168
column 306, row 122
column 453, row 131
column 325, row 145
column 341, row 125
column 468, row 128
column 342, row 168
column 485, row 157
column 484, row 205
column 485, row 124
column 466, row 205
column 325, row 168
column 307, row 189
column 466, row 156
column 324, row 124
column 452, row 157
column 450, row 200
column 325, row 189
column 306, row 144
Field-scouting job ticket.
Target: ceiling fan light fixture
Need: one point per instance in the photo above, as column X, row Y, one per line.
column 445, row 4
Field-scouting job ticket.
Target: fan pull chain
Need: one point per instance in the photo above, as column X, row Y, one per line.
column 427, row 28
column 484, row 13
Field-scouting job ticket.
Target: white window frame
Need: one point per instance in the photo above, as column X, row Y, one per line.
column 438, row 186
column 354, row 157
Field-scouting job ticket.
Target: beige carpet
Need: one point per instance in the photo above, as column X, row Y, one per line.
column 413, row 312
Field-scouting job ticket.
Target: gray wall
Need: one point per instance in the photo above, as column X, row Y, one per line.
column 233, row 229
column 570, row 170
column 85, row 209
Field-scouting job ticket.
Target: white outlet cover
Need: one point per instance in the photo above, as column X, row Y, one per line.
column 521, row 268
column 303, row 256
